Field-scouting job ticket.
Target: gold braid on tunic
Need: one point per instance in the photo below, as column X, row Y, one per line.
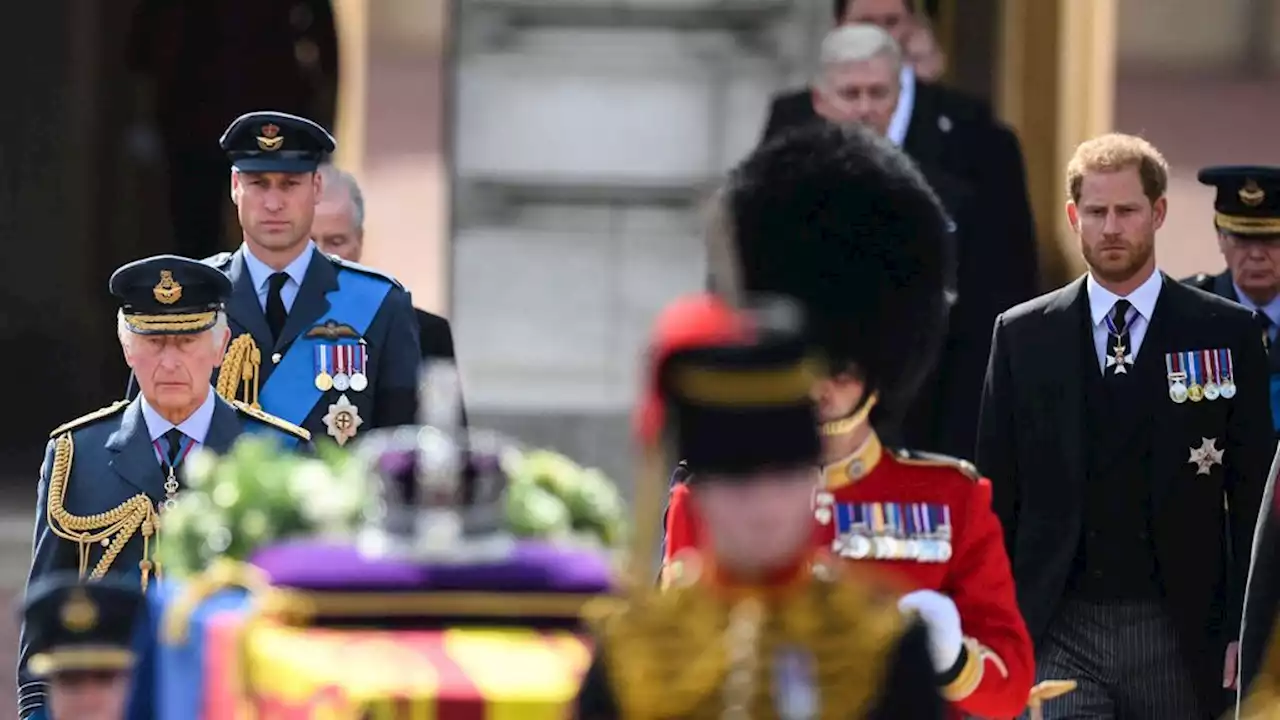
column 239, row 371
column 113, row 528
column 687, row 652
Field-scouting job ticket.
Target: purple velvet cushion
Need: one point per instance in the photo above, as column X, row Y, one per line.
column 532, row 568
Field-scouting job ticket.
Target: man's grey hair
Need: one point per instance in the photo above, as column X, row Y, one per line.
column 335, row 179
column 859, row 43
column 220, row 330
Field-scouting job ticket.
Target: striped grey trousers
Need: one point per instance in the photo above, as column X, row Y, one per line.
column 1125, row 659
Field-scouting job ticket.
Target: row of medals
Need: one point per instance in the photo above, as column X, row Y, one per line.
column 355, row 382
column 1179, row 392
column 859, row 543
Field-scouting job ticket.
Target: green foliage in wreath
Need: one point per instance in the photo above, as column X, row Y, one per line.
column 257, row 495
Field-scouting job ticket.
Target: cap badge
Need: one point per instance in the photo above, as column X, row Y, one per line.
column 270, row 139
column 167, row 291
column 79, row 614
column 1252, row 195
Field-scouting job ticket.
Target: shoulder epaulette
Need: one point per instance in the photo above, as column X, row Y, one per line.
column 272, row 420
column 357, row 267
column 1200, row 280
column 915, row 457
column 218, row 260
column 94, row 416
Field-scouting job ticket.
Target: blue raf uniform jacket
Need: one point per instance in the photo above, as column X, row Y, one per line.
column 1222, row 286
column 339, row 304
column 101, row 481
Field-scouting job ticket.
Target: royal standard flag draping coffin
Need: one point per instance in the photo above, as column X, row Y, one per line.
column 335, row 634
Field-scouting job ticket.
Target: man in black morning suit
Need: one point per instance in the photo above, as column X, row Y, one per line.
column 1126, row 434
column 324, row 343
column 1247, row 221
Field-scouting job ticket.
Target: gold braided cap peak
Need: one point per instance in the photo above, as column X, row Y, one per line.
column 271, row 420
column 89, row 418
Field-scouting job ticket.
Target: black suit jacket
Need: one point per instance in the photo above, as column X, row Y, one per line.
column 436, row 340
column 957, row 134
column 435, row 337
column 1031, row 444
column 975, row 165
column 1262, row 591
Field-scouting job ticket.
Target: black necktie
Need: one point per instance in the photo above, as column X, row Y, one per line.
column 173, row 440
column 1118, row 348
column 276, row 313
column 1267, row 325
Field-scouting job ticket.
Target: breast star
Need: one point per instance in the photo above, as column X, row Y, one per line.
column 1206, row 456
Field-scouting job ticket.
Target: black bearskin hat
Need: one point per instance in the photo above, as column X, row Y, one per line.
column 842, row 221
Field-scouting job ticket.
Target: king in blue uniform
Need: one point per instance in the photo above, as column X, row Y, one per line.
column 107, row 476
column 1247, row 219
column 324, row 343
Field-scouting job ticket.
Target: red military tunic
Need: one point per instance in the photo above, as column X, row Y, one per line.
column 930, row 521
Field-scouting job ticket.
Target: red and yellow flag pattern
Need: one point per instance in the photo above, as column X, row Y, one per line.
column 326, row 674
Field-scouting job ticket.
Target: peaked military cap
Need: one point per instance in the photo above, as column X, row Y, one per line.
column 734, row 407
column 1248, row 200
column 74, row 626
column 170, row 295
column 276, row 142
column 844, row 222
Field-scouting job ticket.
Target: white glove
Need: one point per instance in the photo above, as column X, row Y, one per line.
column 942, row 619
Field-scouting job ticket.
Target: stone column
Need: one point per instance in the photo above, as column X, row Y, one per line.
column 1056, row 88
column 392, row 110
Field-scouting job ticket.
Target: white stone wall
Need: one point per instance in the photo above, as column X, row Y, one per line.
column 587, row 134
column 581, row 156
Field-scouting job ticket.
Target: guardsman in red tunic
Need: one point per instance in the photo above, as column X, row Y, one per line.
column 869, row 265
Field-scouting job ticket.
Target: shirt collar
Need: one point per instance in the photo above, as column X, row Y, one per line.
column 1101, row 300
column 196, row 426
column 901, row 120
column 261, row 273
column 1271, row 309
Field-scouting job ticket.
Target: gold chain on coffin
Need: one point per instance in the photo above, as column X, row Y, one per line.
column 116, row 527
column 240, row 366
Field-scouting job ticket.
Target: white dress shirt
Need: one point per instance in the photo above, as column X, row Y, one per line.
column 196, row 426
column 260, row 273
column 1101, row 300
column 901, row 121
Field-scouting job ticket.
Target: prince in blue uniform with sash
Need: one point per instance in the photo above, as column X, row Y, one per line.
column 323, row 343
column 107, row 476
column 1247, row 219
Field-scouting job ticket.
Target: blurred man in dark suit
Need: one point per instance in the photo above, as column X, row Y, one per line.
column 203, row 64
column 858, row 84
column 955, row 133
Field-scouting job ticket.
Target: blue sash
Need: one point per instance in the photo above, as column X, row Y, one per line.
column 1275, row 400
column 291, row 393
